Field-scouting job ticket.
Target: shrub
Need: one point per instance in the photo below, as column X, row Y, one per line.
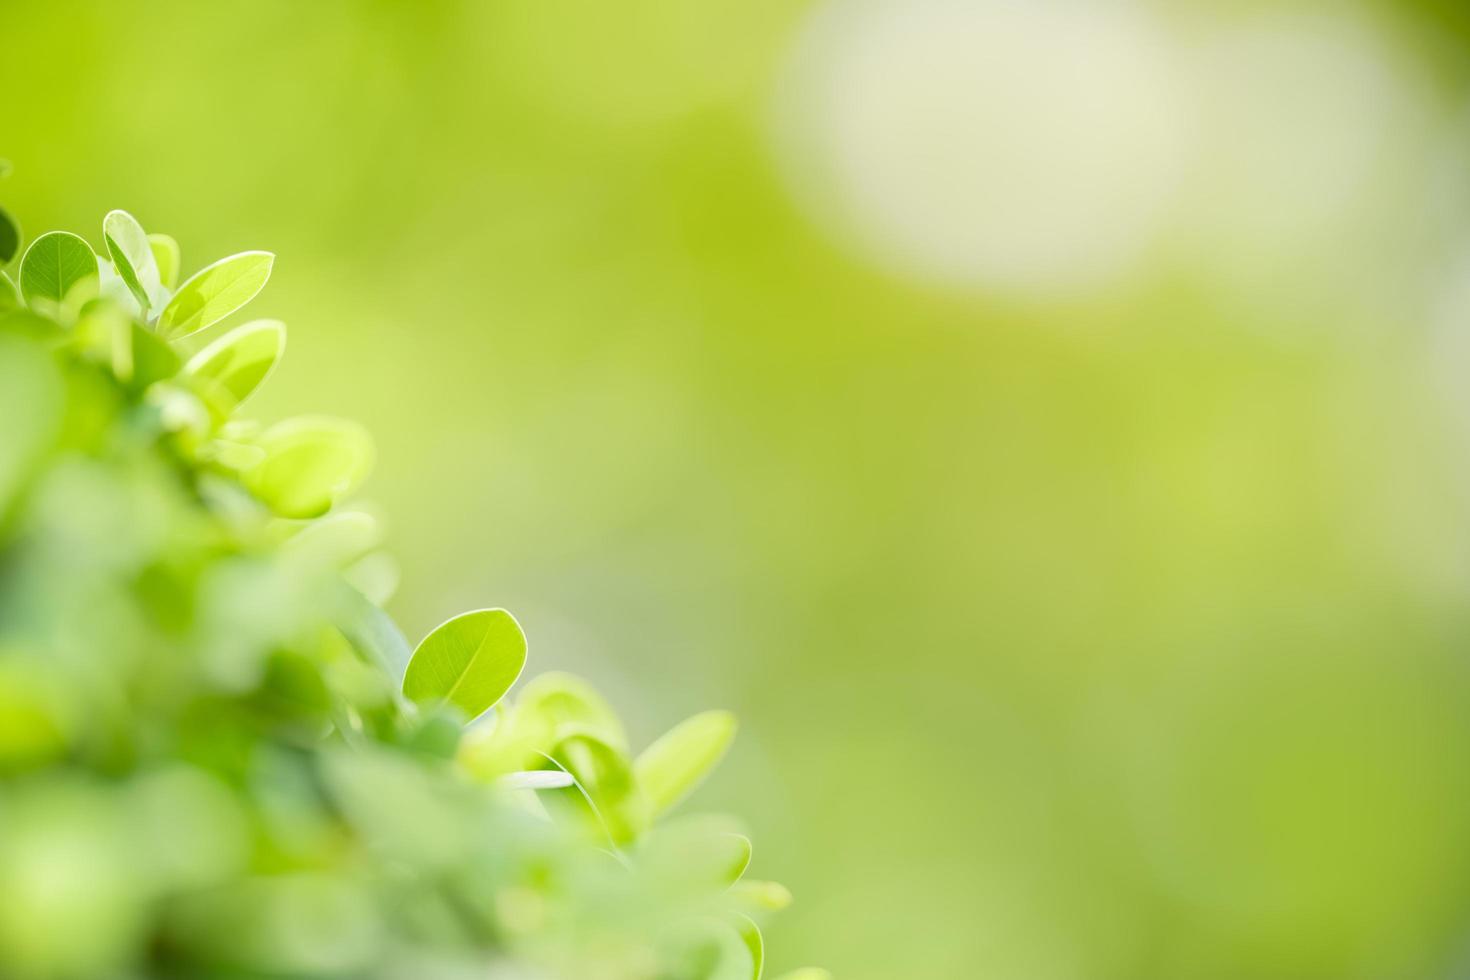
column 218, row 755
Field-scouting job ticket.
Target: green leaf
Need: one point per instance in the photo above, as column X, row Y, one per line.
column 469, row 661
column 9, row 295
column 214, row 292
column 604, row 773
column 769, row 896
column 311, row 463
column 670, row 768
column 372, row 632
column 132, row 257
column 53, row 264
column 153, row 359
column 166, row 257
column 701, row 854
column 9, row 236
column 231, row 368
column 562, row 704
column 750, row 933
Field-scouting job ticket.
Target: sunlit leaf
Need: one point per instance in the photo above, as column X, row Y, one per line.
column 750, row 933
column 132, row 257
column 54, row 264
column 231, row 368
column 214, row 292
column 166, row 257
column 10, row 236
column 311, row 463
column 469, row 661
column 670, row 768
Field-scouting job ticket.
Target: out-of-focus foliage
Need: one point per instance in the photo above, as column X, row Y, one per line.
column 1119, row 631
column 207, row 767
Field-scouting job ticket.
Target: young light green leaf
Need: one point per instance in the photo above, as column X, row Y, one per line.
column 696, row 854
column 311, row 463
column 335, row 541
column 670, row 768
column 750, row 933
column 469, row 661
column 214, row 292
column 54, row 263
column 231, row 368
column 768, row 896
column 166, row 256
column 132, row 257
column 562, row 704
column 606, row 775
column 9, row 237
column 371, row 631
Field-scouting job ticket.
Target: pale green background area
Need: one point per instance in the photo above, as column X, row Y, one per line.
column 1118, row 638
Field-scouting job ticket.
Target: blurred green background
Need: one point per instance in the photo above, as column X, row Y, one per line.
column 1046, row 425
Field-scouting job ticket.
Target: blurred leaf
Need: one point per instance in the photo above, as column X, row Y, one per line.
column 537, row 779
column 54, row 264
column 706, row 949
column 670, row 768
column 214, row 292
column 132, row 257
column 607, row 776
column 311, row 464
column 703, row 853
column 562, row 704
column 751, row 934
column 469, row 661
column 166, row 256
column 372, row 632
column 154, row 359
column 336, row 540
column 769, row 896
column 231, row 368
column 10, row 236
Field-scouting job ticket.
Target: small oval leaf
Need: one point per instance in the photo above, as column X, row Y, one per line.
column 231, row 368
column 132, row 257
column 469, row 661
column 670, row 768
column 166, row 257
column 311, row 463
column 9, row 237
column 53, row 264
column 214, row 292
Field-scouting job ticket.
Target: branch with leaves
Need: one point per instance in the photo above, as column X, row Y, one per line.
column 218, row 754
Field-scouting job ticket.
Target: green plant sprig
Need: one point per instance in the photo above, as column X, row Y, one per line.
column 202, row 700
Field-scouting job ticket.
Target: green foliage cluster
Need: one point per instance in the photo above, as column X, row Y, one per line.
column 218, row 755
